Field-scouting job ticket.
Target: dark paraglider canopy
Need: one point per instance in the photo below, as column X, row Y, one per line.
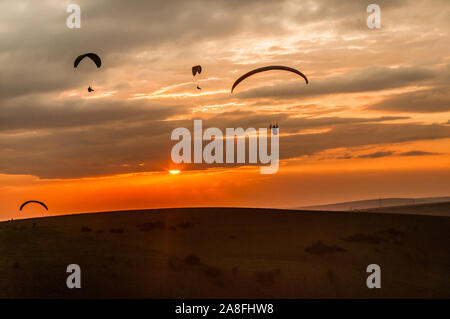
column 94, row 57
column 33, row 201
column 274, row 128
column 267, row 68
column 196, row 69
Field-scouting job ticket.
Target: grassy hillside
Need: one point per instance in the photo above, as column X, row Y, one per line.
column 226, row 252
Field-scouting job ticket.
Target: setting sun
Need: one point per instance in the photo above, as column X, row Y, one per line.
column 174, row 172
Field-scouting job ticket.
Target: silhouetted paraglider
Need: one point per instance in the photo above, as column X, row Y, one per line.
column 94, row 57
column 197, row 69
column 274, row 128
column 267, row 68
column 33, row 201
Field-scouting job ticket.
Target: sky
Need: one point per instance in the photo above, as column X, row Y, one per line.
column 374, row 120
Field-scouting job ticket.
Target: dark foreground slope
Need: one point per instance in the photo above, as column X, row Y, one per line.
column 226, row 252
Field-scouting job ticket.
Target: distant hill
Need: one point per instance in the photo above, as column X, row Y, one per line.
column 376, row 203
column 434, row 209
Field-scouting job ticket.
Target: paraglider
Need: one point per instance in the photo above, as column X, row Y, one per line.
column 267, row 68
column 94, row 57
column 274, row 128
column 196, row 69
column 33, row 201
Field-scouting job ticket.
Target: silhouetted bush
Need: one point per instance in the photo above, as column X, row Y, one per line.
column 175, row 263
column 267, row 278
column 116, row 230
column 151, row 226
column 185, row 225
column 393, row 232
column 192, row 259
column 320, row 249
column 364, row 238
column 212, row 271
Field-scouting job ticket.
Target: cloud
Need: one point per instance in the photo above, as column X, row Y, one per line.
column 380, row 154
column 368, row 79
column 377, row 154
column 35, row 40
column 73, row 113
column 424, row 101
column 39, row 43
column 145, row 146
column 417, row 153
column 357, row 135
column 344, row 157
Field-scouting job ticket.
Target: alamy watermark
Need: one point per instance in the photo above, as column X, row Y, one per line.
column 213, row 152
column 73, row 21
column 374, row 279
column 374, row 19
column 74, row 279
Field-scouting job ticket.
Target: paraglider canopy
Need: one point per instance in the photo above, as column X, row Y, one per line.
column 267, row 68
column 196, row 69
column 274, row 128
column 33, row 201
column 94, row 57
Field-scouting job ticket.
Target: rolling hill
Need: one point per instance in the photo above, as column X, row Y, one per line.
column 226, row 253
